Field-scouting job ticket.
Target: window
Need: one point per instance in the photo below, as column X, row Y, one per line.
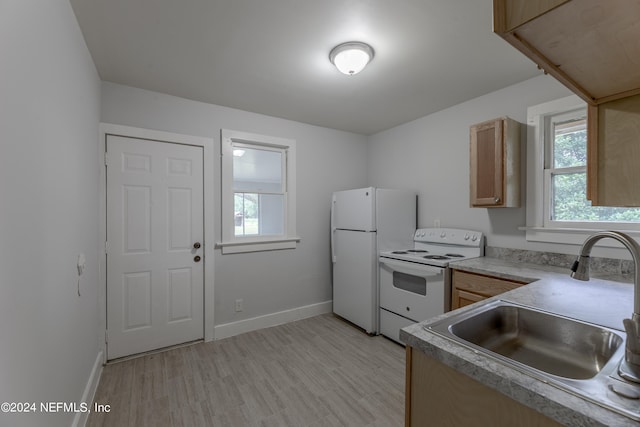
column 258, row 192
column 557, row 207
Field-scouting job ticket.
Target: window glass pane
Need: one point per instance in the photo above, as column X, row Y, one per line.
column 257, row 170
column 246, row 214
column 570, row 143
column 271, row 214
column 569, row 202
column 569, row 197
column 259, row 214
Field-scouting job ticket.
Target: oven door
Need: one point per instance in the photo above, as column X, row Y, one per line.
column 412, row 290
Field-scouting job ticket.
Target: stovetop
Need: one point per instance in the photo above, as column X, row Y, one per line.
column 439, row 246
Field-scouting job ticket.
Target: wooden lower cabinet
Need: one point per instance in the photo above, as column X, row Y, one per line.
column 467, row 288
column 439, row 396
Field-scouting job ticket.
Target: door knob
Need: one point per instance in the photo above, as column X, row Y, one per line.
column 197, row 258
column 196, row 245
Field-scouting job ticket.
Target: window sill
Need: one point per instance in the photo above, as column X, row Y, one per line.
column 258, row 245
column 573, row 236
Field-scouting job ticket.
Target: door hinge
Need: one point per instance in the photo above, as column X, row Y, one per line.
column 106, row 159
column 106, row 337
column 106, row 247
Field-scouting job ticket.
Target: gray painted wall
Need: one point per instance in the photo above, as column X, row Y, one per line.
column 49, row 115
column 327, row 160
column 431, row 156
column 51, row 101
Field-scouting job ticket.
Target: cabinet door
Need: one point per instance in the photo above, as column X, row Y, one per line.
column 613, row 152
column 460, row 298
column 437, row 395
column 486, row 164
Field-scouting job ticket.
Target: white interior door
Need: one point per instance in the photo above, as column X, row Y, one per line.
column 154, row 245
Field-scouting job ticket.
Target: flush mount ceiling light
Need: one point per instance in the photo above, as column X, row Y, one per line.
column 350, row 58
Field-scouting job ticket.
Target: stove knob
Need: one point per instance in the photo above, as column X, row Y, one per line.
column 466, row 237
column 443, row 235
column 474, row 238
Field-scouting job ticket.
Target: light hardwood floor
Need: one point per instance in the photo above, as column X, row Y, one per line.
column 319, row 371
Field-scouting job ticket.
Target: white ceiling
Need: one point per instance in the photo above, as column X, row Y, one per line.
column 271, row 56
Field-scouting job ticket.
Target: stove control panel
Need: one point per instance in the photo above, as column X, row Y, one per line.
column 450, row 236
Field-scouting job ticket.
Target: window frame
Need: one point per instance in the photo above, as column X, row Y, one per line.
column 550, row 169
column 252, row 243
column 540, row 227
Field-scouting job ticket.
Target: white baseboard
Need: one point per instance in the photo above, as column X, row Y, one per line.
column 80, row 420
column 227, row 330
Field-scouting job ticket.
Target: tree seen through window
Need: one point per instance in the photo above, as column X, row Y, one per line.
column 569, row 179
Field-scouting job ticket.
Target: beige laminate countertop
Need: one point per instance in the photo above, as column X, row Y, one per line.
column 598, row 301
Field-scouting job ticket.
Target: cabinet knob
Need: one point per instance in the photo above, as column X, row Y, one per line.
column 196, row 245
column 197, row 258
column 497, row 200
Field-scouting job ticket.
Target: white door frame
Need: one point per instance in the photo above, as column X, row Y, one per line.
column 208, row 147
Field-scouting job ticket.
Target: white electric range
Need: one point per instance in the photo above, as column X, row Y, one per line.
column 415, row 282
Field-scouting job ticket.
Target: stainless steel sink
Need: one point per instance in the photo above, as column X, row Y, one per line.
column 575, row 356
column 552, row 344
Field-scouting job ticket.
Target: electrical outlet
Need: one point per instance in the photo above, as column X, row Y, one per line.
column 436, row 223
column 239, row 304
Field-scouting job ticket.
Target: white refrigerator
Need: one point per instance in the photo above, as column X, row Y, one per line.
column 364, row 222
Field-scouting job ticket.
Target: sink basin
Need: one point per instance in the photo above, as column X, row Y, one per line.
column 552, row 344
column 572, row 355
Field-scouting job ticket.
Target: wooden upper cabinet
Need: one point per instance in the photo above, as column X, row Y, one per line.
column 591, row 46
column 613, row 156
column 510, row 14
column 494, row 167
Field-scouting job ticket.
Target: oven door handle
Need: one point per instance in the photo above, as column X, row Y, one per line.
column 420, row 270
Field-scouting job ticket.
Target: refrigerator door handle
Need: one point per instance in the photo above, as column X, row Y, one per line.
column 333, row 253
column 333, row 229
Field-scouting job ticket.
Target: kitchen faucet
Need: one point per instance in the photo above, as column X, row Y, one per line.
column 629, row 368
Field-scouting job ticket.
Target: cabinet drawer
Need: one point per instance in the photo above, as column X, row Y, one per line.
column 482, row 285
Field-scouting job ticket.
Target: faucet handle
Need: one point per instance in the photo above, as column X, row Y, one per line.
column 632, row 329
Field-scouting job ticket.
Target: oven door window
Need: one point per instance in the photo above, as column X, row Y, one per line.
column 410, row 283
